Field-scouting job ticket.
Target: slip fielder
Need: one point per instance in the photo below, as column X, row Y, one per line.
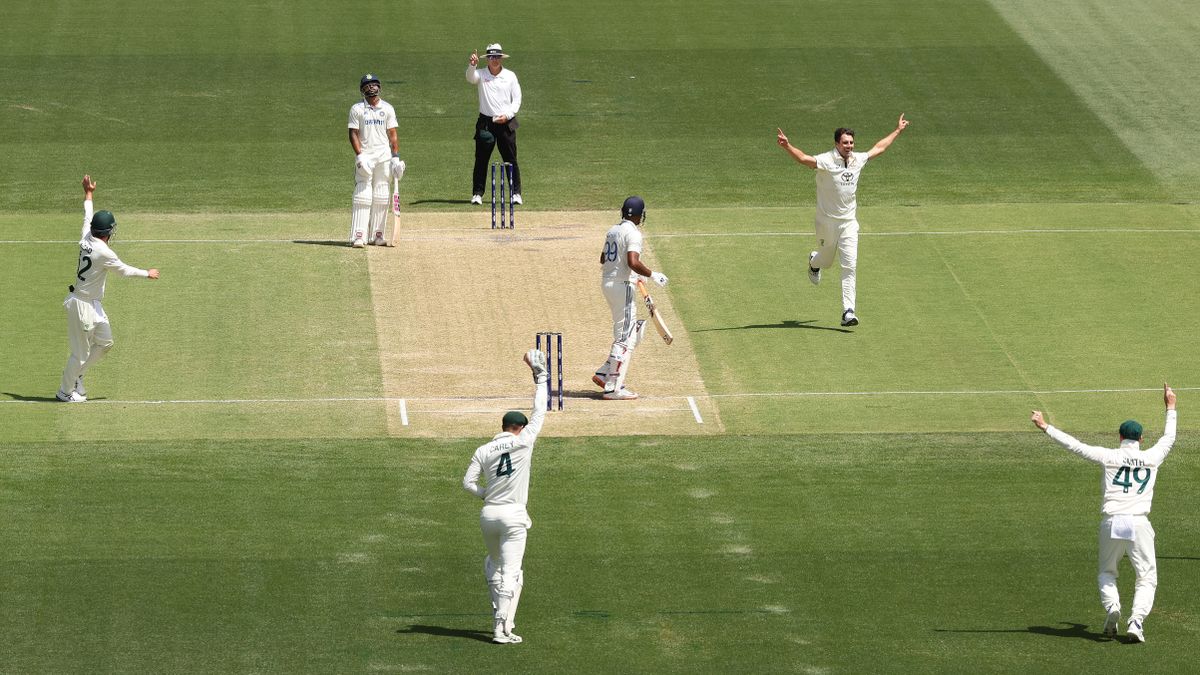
column 504, row 464
column 1128, row 484
column 88, row 330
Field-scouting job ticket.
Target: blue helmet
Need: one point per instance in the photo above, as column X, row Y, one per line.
column 103, row 224
column 634, row 206
column 367, row 79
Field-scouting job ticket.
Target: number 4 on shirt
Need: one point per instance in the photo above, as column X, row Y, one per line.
column 504, row 468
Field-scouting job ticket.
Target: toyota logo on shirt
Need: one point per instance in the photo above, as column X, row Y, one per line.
column 847, row 177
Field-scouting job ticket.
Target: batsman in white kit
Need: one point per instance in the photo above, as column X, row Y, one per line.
column 372, row 131
column 620, row 268
column 1128, row 484
column 504, row 465
column 88, row 329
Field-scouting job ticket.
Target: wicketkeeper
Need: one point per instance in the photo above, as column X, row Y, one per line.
column 504, row 464
column 376, row 159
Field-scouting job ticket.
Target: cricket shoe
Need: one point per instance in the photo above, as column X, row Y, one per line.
column 848, row 318
column 621, row 394
column 358, row 242
column 1134, row 630
column 476, row 199
column 72, row 397
column 502, row 638
column 598, row 381
column 516, row 199
column 813, row 275
column 378, row 240
column 1111, row 620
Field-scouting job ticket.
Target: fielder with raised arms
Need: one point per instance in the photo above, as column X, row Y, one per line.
column 504, row 464
column 88, row 329
column 1128, row 484
column 372, row 131
column 620, row 267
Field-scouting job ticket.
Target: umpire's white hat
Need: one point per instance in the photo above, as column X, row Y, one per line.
column 495, row 51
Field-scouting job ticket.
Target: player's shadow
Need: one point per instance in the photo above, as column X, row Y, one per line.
column 1176, row 557
column 1078, row 631
column 442, row 631
column 781, row 324
column 31, row 399
column 323, row 242
column 440, row 201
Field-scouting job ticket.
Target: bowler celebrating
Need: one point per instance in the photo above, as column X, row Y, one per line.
column 836, row 220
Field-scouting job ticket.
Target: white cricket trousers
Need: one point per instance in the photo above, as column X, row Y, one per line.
column 1141, row 557
column 620, row 297
column 90, row 337
column 504, row 528
column 838, row 237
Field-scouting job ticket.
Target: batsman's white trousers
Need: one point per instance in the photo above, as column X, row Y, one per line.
column 89, row 335
column 620, row 296
column 504, row 528
column 840, row 237
column 1141, row 556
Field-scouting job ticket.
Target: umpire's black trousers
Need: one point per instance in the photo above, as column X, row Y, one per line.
column 503, row 135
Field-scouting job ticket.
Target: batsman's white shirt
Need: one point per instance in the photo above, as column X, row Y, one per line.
column 1129, row 473
column 498, row 94
column 505, row 460
column 372, row 123
column 95, row 260
column 618, row 242
column 837, row 183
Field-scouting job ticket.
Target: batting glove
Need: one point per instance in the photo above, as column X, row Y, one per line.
column 362, row 164
column 398, row 167
column 659, row 278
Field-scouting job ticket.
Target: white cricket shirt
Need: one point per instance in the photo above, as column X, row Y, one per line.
column 620, row 239
column 372, row 123
column 95, row 260
column 498, row 94
column 837, row 184
column 1129, row 473
column 504, row 461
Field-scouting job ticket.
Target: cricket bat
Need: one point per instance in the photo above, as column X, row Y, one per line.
column 395, row 211
column 659, row 324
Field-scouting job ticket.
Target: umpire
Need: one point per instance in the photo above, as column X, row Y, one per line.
column 499, row 101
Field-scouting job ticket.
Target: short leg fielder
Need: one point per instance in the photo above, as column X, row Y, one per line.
column 838, row 238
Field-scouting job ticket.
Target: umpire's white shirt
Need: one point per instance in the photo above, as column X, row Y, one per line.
column 504, row 461
column 95, row 260
column 498, row 94
column 618, row 242
column 1129, row 473
column 837, row 183
column 372, row 122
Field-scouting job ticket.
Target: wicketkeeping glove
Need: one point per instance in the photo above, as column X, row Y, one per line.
column 659, row 278
column 537, row 363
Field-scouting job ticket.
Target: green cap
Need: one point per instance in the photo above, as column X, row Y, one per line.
column 1131, row 429
column 103, row 224
column 514, row 418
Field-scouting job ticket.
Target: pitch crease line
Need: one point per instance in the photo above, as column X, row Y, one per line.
column 403, row 413
column 695, row 411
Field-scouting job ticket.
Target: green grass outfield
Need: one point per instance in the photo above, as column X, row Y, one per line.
column 880, row 502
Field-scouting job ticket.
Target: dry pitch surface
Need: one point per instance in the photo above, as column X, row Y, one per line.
column 457, row 304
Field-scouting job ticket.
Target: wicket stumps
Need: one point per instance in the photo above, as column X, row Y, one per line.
column 553, row 351
column 506, row 194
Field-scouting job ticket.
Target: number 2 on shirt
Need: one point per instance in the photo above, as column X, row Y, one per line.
column 85, row 264
column 1123, row 478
